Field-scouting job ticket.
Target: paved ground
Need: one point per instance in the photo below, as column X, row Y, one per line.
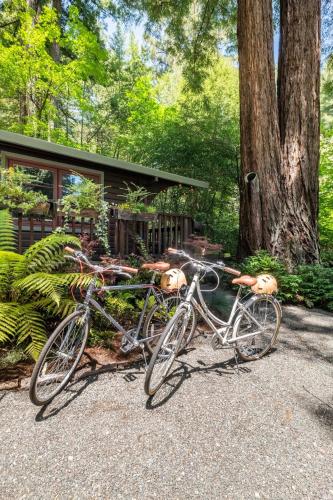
column 263, row 433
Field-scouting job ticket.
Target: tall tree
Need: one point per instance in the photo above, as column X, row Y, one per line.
column 260, row 200
column 279, row 137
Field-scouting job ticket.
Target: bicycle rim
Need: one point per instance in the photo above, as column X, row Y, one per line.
column 158, row 318
column 263, row 320
column 59, row 358
column 166, row 350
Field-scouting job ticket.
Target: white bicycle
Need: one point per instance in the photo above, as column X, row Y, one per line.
column 251, row 329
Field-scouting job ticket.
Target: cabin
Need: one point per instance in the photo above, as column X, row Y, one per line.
column 58, row 163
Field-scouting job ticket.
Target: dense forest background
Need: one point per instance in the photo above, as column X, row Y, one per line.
column 121, row 80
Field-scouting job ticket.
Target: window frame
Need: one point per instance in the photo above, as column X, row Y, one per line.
column 9, row 159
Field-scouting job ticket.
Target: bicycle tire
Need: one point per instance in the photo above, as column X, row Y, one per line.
column 35, row 383
column 252, row 350
column 181, row 316
column 156, row 312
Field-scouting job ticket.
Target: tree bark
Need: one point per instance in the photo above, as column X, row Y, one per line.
column 298, row 97
column 55, row 47
column 260, row 147
column 279, row 137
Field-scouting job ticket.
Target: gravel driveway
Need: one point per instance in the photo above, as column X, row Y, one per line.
column 265, row 432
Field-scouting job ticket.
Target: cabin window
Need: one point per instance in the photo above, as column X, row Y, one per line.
column 52, row 181
column 44, row 179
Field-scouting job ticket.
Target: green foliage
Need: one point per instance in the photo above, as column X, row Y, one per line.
column 316, row 288
column 84, row 195
column 31, row 294
column 101, row 338
column 262, row 262
column 326, row 190
column 122, row 306
column 311, row 284
column 7, row 231
column 14, row 191
column 135, row 197
column 11, row 358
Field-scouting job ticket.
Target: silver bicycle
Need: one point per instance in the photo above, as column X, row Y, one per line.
column 64, row 348
column 251, row 329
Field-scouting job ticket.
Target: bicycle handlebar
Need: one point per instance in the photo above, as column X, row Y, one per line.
column 220, row 264
column 230, row 270
column 79, row 257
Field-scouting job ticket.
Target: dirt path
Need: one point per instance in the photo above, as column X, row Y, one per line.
column 266, row 432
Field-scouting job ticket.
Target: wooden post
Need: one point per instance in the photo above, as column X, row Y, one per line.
column 159, row 246
column 31, row 225
column 176, row 231
column 19, row 225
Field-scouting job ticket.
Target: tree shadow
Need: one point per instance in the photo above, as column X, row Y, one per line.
column 302, row 319
column 320, row 409
column 305, row 347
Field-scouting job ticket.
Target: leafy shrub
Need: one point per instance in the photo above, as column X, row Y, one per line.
column 101, row 337
column 262, row 262
column 15, row 193
column 316, row 288
column 311, row 284
column 122, row 306
column 327, row 258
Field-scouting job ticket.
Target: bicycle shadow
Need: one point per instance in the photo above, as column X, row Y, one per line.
column 76, row 387
column 185, row 371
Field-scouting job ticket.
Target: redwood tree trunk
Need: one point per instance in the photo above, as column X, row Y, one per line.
column 279, row 139
column 298, row 97
column 260, row 146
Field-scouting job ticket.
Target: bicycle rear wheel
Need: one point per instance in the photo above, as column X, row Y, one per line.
column 157, row 319
column 167, row 349
column 59, row 358
column 262, row 318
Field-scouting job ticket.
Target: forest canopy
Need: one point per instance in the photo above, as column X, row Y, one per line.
column 70, row 72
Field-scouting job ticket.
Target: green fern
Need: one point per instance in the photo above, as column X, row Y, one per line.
column 30, row 291
column 47, row 254
column 7, row 232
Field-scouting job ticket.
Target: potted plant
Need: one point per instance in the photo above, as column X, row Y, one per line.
column 86, row 199
column 16, row 195
column 134, row 207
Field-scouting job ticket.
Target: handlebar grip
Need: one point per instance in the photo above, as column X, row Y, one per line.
column 230, row 270
column 172, row 251
column 69, row 250
column 131, row 270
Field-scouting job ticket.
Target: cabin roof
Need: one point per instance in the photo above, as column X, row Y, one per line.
column 36, row 145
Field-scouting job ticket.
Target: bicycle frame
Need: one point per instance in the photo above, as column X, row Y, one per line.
column 151, row 290
column 223, row 328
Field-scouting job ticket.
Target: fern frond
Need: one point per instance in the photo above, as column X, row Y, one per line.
column 73, row 280
column 66, row 306
column 7, row 232
column 8, row 263
column 9, row 317
column 31, row 330
column 47, row 254
column 36, row 285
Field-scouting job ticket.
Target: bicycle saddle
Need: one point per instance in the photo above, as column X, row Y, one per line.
column 245, row 280
column 156, row 266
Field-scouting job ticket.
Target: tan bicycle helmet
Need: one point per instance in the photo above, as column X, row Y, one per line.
column 266, row 283
column 173, row 279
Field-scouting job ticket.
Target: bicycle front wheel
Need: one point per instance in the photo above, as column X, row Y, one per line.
column 168, row 346
column 157, row 319
column 59, row 358
column 262, row 318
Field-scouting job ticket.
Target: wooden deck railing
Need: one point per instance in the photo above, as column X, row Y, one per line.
column 167, row 230
column 125, row 235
